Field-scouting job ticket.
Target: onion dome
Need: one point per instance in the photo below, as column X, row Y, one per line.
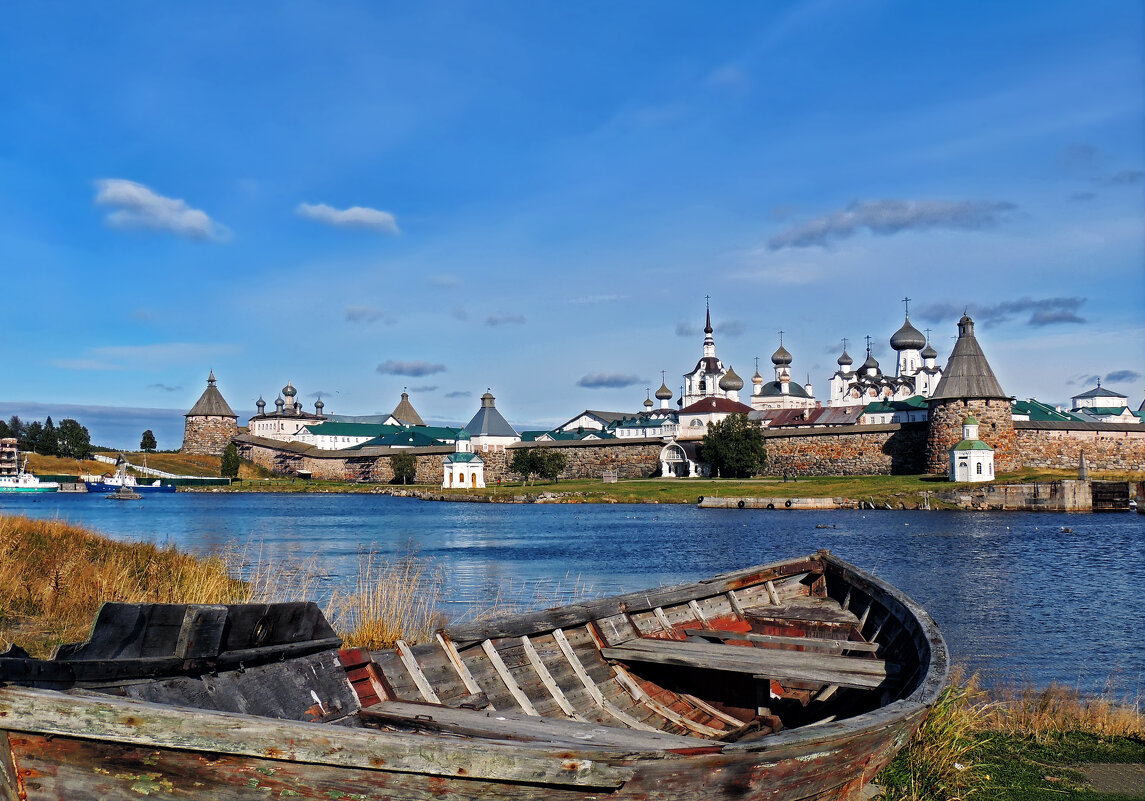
column 845, row 360
column 731, row 382
column 757, row 379
column 908, row 337
column 870, row 363
column 319, row 406
column 279, row 403
column 289, row 391
column 781, row 357
column 663, row 393
column 929, row 352
column 261, row 404
column 648, row 404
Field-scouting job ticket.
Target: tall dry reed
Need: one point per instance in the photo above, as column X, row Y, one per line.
column 391, row 600
column 54, row 576
column 1041, row 714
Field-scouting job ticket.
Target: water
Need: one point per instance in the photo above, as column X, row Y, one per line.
column 1018, row 598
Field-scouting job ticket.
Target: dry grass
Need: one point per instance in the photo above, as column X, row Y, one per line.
column 54, row 576
column 390, row 601
column 1043, row 714
column 938, row 762
column 950, row 755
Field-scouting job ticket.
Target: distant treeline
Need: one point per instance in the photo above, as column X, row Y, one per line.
column 69, row 439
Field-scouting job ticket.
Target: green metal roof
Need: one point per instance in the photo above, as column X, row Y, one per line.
column 1042, row 413
column 463, row 456
column 972, row 445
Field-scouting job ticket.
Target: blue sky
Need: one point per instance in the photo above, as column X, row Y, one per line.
column 537, row 197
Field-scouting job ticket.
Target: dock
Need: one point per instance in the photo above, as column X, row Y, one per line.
column 734, row 502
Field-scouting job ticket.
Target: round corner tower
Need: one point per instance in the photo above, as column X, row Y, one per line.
column 210, row 424
column 969, row 387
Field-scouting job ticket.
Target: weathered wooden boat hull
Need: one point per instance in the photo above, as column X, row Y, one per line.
column 593, row 701
column 221, row 760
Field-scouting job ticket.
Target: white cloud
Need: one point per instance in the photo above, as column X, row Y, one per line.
column 136, row 206
column 353, row 217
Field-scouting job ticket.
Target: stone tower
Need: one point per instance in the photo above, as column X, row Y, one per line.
column 210, row 423
column 968, row 387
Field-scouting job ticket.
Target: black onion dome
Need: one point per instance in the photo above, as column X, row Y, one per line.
column 870, row 363
column 908, row 337
column 731, row 381
column 781, row 357
column 845, row 360
column 929, row 352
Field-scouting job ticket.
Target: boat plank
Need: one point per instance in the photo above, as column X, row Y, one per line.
column 680, row 719
column 202, row 631
column 591, row 687
column 414, row 669
column 459, row 665
column 769, row 662
column 806, row 642
column 547, row 679
column 510, row 683
column 580, row 613
column 154, row 726
column 11, row 785
column 517, row 726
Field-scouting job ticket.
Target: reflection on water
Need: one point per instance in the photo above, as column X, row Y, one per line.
column 1017, row 597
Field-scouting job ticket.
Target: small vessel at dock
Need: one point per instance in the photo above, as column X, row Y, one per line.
column 15, row 477
column 795, row 679
column 123, row 480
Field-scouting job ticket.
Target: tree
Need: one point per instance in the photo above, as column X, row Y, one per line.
column 550, row 463
column 74, row 440
column 524, row 462
column 543, row 462
column 229, row 466
column 15, row 427
column 30, row 436
column 404, row 465
column 49, row 443
column 733, row 447
column 148, row 443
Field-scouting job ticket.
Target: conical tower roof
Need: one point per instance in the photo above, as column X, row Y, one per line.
column 211, row 403
column 967, row 374
column 406, row 414
column 488, row 422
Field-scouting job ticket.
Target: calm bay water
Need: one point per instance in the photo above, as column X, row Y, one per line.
column 1018, row 597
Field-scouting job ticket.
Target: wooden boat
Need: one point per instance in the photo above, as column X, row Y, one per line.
column 792, row 680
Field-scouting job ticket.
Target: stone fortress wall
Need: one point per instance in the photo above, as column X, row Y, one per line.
column 841, row 451
column 208, row 435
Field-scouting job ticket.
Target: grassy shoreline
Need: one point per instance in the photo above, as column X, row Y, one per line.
column 899, row 491
column 1024, row 744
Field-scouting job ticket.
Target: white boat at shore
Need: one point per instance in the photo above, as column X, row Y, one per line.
column 23, row 481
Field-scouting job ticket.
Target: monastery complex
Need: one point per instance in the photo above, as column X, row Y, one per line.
column 916, row 417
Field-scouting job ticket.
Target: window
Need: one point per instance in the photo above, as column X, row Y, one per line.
column 979, row 470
